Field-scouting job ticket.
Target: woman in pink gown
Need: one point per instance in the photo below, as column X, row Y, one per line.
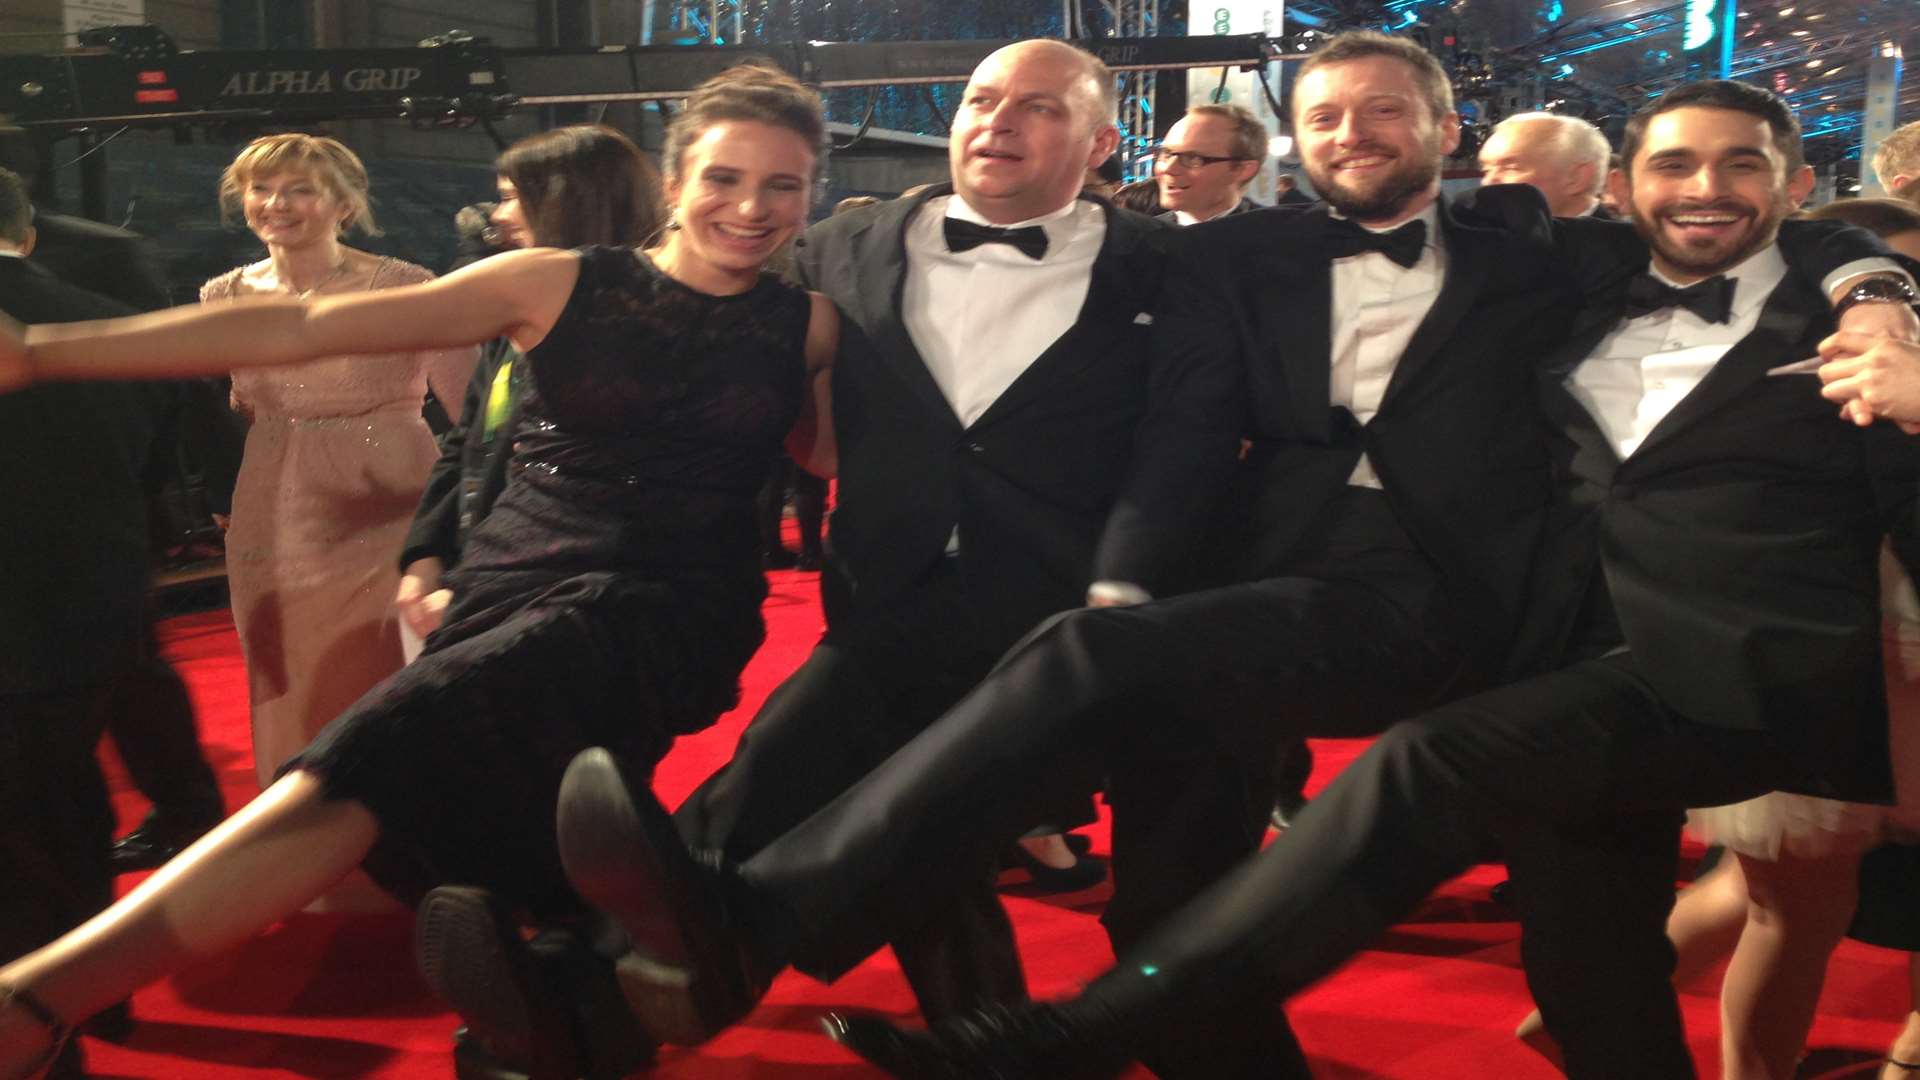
column 335, row 458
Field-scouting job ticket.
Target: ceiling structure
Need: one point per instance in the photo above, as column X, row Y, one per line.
column 1602, row 60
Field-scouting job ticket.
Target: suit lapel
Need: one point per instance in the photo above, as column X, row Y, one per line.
column 1291, row 297
column 1784, row 322
column 1121, row 288
column 882, row 253
column 1469, row 253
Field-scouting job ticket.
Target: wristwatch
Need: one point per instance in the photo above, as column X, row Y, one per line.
column 1877, row 289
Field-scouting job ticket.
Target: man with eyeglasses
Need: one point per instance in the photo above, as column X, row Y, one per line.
column 1209, row 157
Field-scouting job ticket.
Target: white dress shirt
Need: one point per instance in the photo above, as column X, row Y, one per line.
column 1377, row 305
column 1646, row 366
column 983, row 316
column 1183, row 219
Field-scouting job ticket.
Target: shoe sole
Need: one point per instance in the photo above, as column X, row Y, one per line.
column 614, row 852
column 470, row 954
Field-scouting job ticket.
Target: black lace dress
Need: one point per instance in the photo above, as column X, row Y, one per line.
column 610, row 598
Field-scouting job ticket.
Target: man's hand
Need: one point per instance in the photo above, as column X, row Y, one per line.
column 421, row 601
column 1873, row 377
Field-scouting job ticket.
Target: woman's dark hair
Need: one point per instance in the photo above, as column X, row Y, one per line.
column 1140, row 196
column 584, row 184
column 749, row 92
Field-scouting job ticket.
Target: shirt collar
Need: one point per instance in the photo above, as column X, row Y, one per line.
column 1757, row 276
column 12, row 253
column 1183, row 218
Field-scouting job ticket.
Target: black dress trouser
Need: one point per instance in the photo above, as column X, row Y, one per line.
column 150, row 718
column 869, row 687
column 56, row 822
column 1177, row 700
column 1577, row 778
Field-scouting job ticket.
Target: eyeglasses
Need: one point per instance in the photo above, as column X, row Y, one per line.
column 1188, row 159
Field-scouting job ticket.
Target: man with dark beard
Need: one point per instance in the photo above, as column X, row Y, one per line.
column 1708, row 594
column 1390, row 507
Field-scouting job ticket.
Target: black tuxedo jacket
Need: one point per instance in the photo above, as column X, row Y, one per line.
column 1740, row 542
column 74, row 550
column 100, row 258
column 1098, row 462
column 1457, row 441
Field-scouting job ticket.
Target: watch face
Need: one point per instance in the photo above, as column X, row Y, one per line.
column 1882, row 288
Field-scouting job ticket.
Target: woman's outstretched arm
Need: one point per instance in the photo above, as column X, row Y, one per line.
column 518, row 295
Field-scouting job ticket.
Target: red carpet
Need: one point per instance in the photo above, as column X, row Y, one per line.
column 328, row 996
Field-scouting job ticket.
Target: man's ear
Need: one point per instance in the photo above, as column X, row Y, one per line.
column 1580, row 178
column 27, row 242
column 1800, row 185
column 1244, row 172
column 1621, row 189
column 1106, row 139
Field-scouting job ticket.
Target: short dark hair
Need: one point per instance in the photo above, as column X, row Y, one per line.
column 1719, row 94
column 1360, row 44
column 584, row 184
column 1248, row 139
column 16, row 209
column 1882, row 217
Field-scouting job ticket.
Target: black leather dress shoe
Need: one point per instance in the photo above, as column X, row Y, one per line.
column 1086, row 871
column 694, row 968
column 1000, row 1042
column 151, row 844
column 545, row 1009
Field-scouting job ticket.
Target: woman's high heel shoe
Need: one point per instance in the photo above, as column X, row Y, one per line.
column 58, row 1030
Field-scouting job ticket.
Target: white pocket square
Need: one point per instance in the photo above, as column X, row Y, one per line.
column 1145, row 318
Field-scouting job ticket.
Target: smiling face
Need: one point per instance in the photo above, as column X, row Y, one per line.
column 1706, row 188
column 1369, row 140
column 1028, row 129
column 509, row 217
column 741, row 191
column 292, row 209
column 1208, row 190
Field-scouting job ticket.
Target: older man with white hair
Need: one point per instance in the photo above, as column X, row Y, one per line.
column 1565, row 157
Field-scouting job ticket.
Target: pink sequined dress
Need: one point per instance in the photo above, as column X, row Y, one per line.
column 334, row 463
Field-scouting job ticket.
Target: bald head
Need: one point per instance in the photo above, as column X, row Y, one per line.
column 1036, row 115
column 1094, row 88
column 1566, row 158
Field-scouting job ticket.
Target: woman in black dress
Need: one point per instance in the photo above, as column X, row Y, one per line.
column 611, row 597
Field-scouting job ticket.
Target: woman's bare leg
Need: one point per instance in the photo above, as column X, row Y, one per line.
column 1705, row 925
column 259, row 866
column 1798, row 910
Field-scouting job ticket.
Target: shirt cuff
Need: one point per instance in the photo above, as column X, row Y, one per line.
column 1861, row 268
column 1116, row 593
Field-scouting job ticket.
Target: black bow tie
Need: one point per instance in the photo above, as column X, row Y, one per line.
column 1029, row 240
column 1711, row 300
column 1402, row 245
